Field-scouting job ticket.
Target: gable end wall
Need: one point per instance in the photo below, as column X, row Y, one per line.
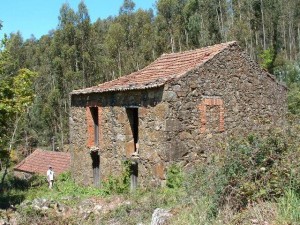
column 227, row 96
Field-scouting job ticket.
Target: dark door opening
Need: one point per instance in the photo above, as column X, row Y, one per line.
column 133, row 116
column 96, row 168
column 94, row 112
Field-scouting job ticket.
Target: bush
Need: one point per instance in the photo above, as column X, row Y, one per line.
column 174, row 176
column 119, row 184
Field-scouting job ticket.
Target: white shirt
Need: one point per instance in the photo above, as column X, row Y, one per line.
column 50, row 174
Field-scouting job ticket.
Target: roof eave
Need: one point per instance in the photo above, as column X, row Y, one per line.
column 145, row 87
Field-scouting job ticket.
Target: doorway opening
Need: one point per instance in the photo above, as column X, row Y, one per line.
column 96, row 167
column 133, row 116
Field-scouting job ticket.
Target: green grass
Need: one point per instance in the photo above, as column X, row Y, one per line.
column 289, row 208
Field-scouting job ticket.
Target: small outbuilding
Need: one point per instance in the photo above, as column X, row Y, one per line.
column 177, row 109
column 39, row 161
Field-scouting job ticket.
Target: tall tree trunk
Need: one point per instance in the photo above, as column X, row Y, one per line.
column 61, row 129
column 12, row 139
column 186, row 38
column 298, row 39
column 290, row 40
column 219, row 22
column 85, row 82
column 240, row 12
column 179, row 44
column 252, row 54
column 263, row 24
column 284, row 40
column 223, row 32
column 172, row 43
column 119, row 63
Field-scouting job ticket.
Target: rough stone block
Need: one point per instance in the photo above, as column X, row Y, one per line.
column 169, row 96
column 143, row 111
column 129, row 148
column 185, row 135
column 172, row 125
column 159, row 171
column 160, row 111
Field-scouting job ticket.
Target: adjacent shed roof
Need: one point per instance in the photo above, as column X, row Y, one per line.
column 40, row 160
column 166, row 67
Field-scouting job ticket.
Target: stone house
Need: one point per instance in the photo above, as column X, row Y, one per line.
column 179, row 108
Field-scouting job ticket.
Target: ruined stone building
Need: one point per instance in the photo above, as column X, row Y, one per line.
column 179, row 107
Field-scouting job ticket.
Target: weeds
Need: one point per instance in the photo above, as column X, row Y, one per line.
column 289, row 207
column 254, row 178
column 120, row 184
column 174, row 176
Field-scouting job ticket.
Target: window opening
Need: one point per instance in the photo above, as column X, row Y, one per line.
column 133, row 116
column 94, row 112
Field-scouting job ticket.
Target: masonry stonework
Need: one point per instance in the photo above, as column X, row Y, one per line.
column 181, row 121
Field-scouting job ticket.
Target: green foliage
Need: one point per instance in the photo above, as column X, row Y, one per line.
column 118, row 184
column 174, row 176
column 266, row 59
column 289, row 207
column 294, row 99
column 255, row 170
column 23, row 89
column 250, row 171
column 64, row 187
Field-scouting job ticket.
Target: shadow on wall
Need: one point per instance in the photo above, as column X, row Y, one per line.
column 138, row 98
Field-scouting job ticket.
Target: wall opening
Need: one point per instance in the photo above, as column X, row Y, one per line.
column 133, row 116
column 133, row 175
column 96, row 167
column 94, row 113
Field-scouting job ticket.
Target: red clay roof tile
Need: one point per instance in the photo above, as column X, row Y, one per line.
column 166, row 67
column 39, row 161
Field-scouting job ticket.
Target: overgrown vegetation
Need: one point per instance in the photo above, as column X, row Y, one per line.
column 257, row 178
column 118, row 184
column 247, row 173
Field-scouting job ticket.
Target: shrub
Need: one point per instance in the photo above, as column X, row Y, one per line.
column 259, row 169
column 174, row 176
column 120, row 184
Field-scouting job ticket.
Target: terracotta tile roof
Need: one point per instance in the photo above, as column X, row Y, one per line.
column 166, row 67
column 39, row 161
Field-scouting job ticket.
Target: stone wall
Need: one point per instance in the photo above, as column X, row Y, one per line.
column 115, row 134
column 183, row 121
column 227, row 96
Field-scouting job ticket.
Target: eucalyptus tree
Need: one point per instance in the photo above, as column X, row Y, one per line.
column 170, row 17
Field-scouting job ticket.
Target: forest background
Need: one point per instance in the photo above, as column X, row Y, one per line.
column 37, row 75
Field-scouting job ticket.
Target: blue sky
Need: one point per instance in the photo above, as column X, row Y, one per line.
column 37, row 17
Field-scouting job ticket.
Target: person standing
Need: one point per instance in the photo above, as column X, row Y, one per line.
column 50, row 177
